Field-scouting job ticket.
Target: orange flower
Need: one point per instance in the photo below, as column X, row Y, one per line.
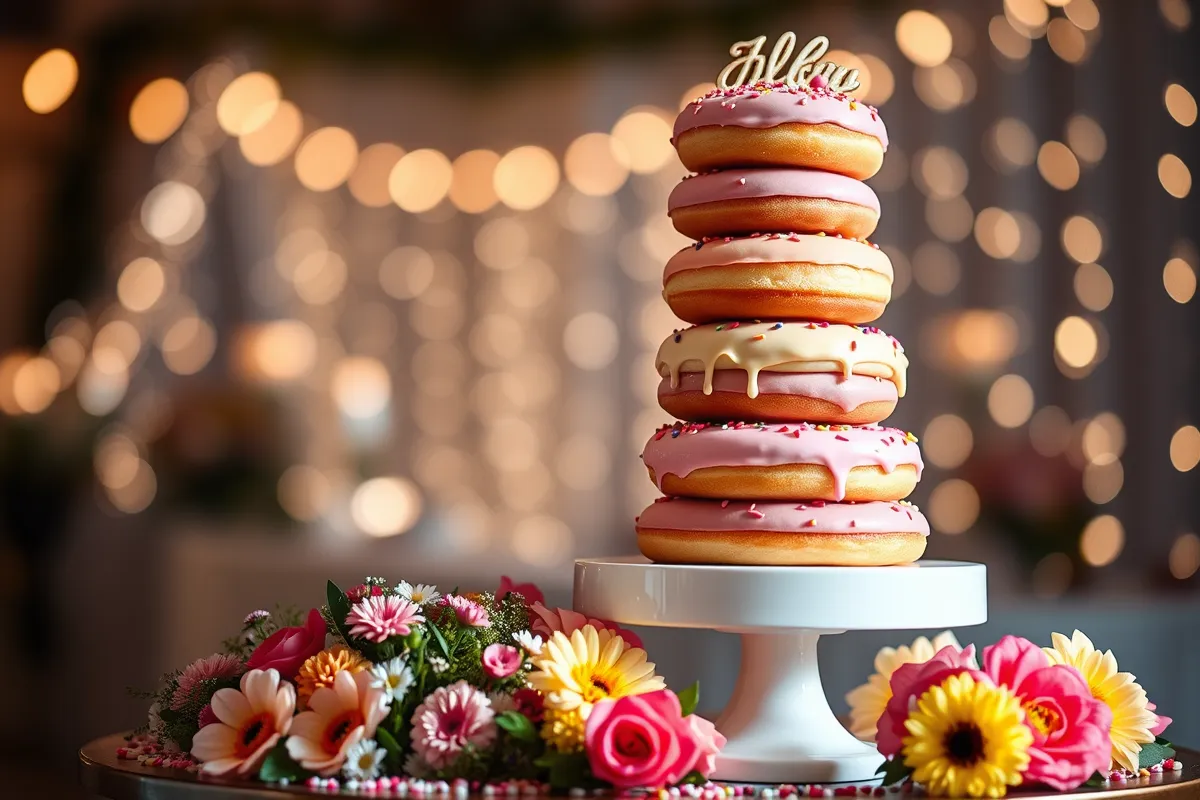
column 321, row 669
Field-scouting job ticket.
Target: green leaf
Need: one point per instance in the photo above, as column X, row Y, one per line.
column 1153, row 753
column 695, row 777
column 894, row 770
column 1097, row 779
column 567, row 770
column 394, row 751
column 339, row 608
column 279, row 765
column 517, row 725
column 441, row 640
column 689, row 698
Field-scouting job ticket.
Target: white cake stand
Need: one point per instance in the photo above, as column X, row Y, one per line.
column 779, row 725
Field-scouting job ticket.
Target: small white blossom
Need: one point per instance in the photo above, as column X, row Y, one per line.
column 438, row 664
column 363, row 760
column 529, row 642
column 420, row 594
column 394, row 676
column 501, row 702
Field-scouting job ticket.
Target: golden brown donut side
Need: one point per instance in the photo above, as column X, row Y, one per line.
column 695, row 406
column 824, row 145
column 790, row 482
column 781, row 549
column 793, row 290
column 746, row 215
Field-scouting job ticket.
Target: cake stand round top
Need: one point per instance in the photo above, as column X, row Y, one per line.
column 926, row 594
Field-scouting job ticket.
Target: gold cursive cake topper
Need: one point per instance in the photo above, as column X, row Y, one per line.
column 749, row 65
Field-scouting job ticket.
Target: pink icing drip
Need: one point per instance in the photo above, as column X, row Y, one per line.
column 846, row 393
column 839, row 449
column 733, row 184
column 686, row 514
column 780, row 248
column 753, row 109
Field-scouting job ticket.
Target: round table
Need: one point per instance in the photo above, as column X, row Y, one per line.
column 107, row 776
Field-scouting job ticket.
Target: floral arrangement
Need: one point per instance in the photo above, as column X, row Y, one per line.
column 385, row 681
column 1057, row 716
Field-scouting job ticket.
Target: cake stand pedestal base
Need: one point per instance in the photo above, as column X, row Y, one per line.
column 778, row 723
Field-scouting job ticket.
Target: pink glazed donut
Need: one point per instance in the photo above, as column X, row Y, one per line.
column 797, row 461
column 736, row 202
column 779, row 276
column 772, row 124
column 684, row 531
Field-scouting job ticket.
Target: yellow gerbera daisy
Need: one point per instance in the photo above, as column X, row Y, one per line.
column 868, row 701
column 590, row 665
column 321, row 669
column 967, row 738
column 564, row 730
column 1132, row 721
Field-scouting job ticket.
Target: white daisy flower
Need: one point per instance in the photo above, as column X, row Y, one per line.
column 419, row 594
column 394, row 677
column 363, row 760
column 529, row 642
column 501, row 702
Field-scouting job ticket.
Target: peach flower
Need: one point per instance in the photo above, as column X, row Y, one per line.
column 338, row 718
column 249, row 723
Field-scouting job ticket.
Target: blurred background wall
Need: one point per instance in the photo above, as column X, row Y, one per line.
column 296, row 290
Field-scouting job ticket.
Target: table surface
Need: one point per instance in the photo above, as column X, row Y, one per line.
column 106, row 776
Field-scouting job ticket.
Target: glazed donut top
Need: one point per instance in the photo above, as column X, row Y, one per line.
column 782, row 347
column 765, row 105
column 681, row 448
column 780, row 248
column 739, row 184
column 815, row 516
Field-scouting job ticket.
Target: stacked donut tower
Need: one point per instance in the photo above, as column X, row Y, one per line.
column 782, row 380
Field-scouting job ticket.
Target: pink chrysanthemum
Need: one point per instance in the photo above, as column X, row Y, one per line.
column 378, row 618
column 218, row 665
column 450, row 719
column 469, row 612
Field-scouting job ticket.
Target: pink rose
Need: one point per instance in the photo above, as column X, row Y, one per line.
column 529, row 591
column 1070, row 727
column 640, row 741
column 545, row 622
column 287, row 649
column 909, row 682
column 709, row 740
column 501, row 660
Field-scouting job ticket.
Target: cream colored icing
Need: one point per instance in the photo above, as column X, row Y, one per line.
column 777, row 248
column 782, row 347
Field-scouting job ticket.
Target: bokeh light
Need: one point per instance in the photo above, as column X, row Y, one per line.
column 1052, row 576
column 590, row 340
column 1076, row 342
column 997, row 233
column 472, row 179
column 1086, row 138
column 188, row 345
column 1058, row 165
column 1185, row 448
column 645, row 134
column 939, row 172
column 368, row 182
column 1180, row 105
column 248, row 103
column 141, row 284
column 596, row 164
column 953, row 506
column 1010, row 401
column 173, row 212
column 49, row 81
column 946, row 86
column 1174, row 175
column 283, row 350
column 1011, row 144
column 275, row 140
column 947, row 441
column 304, row 492
column 1176, row 13
column 542, row 541
column 35, row 384
column 385, row 506
column 1066, row 40
column 406, row 272
column 1184, row 558
column 325, row 159
column 1179, row 279
column 1083, row 14
column 1102, row 541
column 1081, row 239
column 158, row 110
column 936, row 268
column 1007, row 40
column 1102, row 481
column 1093, row 287
column 420, row 180
column 502, row 243
column 136, row 495
column 526, row 177
column 923, row 38
column 1050, row 431
column 1027, row 16
column 361, row 386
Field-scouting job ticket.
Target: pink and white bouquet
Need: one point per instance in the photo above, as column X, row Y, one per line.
column 399, row 680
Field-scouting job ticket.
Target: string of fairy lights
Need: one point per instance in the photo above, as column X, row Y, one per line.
column 494, row 361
